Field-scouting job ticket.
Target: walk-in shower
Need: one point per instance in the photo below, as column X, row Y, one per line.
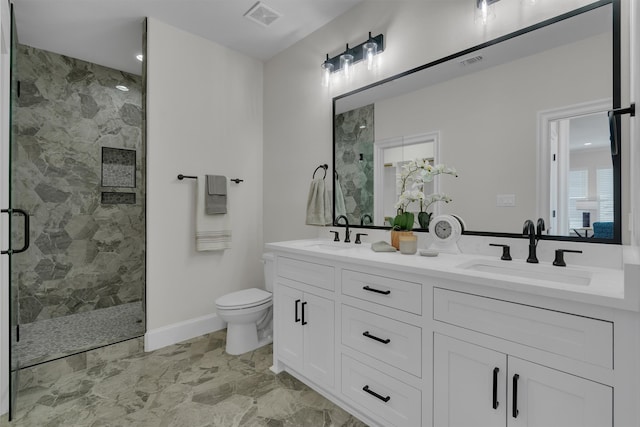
column 78, row 170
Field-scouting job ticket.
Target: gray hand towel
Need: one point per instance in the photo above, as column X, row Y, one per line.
column 215, row 194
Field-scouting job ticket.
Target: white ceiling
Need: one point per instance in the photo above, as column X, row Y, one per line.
column 108, row 32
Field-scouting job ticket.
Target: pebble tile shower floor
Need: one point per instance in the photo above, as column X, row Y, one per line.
column 190, row 384
column 53, row 338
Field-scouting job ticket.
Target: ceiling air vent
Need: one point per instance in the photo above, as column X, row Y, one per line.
column 262, row 14
column 470, row 61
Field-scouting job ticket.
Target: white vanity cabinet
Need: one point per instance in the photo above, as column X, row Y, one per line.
column 305, row 321
column 306, row 324
column 404, row 341
column 477, row 387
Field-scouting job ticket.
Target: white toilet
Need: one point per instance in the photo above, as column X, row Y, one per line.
column 249, row 314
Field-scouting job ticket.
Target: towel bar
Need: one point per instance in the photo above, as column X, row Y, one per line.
column 181, row 177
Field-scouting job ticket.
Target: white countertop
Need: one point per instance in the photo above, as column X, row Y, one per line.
column 616, row 288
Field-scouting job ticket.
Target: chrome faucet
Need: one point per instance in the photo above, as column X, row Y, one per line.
column 534, row 233
column 347, row 233
column 365, row 216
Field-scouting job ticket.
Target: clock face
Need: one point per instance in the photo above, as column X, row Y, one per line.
column 443, row 229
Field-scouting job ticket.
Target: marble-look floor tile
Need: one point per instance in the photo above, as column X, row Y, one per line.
column 191, row 384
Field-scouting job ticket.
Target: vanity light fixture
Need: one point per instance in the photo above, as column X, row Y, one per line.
column 485, row 10
column 122, row 88
column 344, row 62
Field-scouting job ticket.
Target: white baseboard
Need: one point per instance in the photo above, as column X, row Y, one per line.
column 181, row 331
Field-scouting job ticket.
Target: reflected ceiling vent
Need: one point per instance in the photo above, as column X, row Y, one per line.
column 262, row 14
column 472, row 60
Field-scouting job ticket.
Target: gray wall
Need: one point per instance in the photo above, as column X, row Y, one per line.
column 84, row 254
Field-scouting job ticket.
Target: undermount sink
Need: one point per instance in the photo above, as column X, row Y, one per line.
column 327, row 245
column 331, row 247
column 562, row 275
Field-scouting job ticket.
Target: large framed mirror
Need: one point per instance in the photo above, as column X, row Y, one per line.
column 523, row 119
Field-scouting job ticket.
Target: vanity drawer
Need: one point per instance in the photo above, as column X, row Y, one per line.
column 310, row 273
column 396, row 403
column 396, row 343
column 400, row 294
column 577, row 337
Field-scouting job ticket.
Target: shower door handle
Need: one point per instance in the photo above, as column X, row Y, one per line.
column 25, row 246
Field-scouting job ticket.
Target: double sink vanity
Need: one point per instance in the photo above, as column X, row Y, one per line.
column 459, row 340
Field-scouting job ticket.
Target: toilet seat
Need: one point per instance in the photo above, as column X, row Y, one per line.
column 244, row 299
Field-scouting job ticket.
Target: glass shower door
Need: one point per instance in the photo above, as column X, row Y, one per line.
column 18, row 230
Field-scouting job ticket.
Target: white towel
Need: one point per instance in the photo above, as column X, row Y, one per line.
column 213, row 232
column 341, row 209
column 318, row 204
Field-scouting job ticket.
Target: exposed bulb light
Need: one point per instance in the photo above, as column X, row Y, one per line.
column 369, row 52
column 327, row 69
column 122, row 88
column 485, row 10
column 140, row 57
column 346, row 62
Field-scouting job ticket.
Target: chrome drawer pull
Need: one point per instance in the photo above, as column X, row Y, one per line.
column 373, row 337
column 378, row 291
column 373, row 393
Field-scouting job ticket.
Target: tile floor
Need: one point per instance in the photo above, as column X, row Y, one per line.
column 191, row 384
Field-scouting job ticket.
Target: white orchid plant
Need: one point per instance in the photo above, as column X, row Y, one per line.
column 414, row 175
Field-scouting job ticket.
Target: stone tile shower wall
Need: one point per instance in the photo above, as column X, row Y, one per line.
column 84, row 254
column 354, row 136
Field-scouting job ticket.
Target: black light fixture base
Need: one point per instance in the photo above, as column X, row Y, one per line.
column 357, row 52
column 489, row 2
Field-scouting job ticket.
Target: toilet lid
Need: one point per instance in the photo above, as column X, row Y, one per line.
column 244, row 298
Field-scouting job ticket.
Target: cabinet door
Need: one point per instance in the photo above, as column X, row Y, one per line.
column 288, row 312
column 319, row 354
column 469, row 384
column 544, row 397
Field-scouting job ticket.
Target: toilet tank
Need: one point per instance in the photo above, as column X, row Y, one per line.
column 267, row 259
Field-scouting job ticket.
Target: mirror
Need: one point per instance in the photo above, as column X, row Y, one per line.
column 523, row 120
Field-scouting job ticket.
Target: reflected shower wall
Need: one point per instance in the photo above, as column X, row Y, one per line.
column 354, row 138
column 79, row 171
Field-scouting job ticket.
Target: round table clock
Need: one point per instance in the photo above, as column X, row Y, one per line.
column 445, row 231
